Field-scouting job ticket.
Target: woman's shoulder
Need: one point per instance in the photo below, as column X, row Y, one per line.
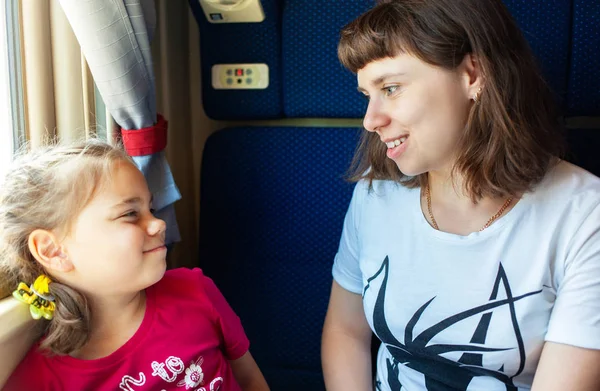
column 567, row 192
column 382, row 189
column 567, row 181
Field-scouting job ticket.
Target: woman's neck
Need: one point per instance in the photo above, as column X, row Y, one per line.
column 449, row 188
column 114, row 321
column 453, row 209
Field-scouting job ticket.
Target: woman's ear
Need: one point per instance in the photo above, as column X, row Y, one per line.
column 472, row 75
column 46, row 249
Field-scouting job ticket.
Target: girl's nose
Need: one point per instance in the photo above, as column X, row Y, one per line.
column 156, row 226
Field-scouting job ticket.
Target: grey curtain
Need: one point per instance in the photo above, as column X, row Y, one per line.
column 115, row 38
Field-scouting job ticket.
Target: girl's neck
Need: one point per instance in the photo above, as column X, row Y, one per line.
column 114, row 321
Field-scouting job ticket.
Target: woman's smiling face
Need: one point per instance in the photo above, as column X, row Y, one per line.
column 418, row 110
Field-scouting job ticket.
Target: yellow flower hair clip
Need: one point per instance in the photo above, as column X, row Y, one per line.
column 41, row 302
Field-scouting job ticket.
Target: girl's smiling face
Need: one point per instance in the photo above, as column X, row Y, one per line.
column 116, row 245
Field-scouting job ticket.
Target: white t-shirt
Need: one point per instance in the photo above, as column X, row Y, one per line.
column 473, row 312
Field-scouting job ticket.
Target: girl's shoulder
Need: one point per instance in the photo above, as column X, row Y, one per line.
column 182, row 285
column 182, row 275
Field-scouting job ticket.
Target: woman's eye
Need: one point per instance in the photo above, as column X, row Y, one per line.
column 389, row 90
column 367, row 97
column 153, row 211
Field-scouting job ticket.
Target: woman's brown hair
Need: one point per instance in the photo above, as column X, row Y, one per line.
column 46, row 189
column 512, row 135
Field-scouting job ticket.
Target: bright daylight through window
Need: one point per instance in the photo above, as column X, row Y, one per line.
column 6, row 128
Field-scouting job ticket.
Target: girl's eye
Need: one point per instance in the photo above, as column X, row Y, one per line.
column 389, row 90
column 132, row 213
column 152, row 210
column 367, row 97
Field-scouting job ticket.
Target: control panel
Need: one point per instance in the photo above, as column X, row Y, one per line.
column 240, row 76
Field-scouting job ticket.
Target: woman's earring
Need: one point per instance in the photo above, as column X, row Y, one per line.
column 476, row 96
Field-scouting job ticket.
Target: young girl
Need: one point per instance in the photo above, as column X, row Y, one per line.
column 76, row 227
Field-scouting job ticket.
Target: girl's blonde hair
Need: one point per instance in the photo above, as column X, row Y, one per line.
column 46, row 189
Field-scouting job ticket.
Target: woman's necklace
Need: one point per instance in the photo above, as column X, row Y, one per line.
column 489, row 222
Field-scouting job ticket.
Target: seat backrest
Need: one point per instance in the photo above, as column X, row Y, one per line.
column 237, row 43
column 584, row 82
column 583, row 95
column 547, row 29
column 273, row 202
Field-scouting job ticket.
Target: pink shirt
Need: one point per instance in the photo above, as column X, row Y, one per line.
column 186, row 337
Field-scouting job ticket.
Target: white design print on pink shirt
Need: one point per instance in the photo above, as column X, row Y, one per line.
column 193, row 375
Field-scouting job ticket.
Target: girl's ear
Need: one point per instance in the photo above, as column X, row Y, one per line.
column 46, row 249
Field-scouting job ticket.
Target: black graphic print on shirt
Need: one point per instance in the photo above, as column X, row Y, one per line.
column 442, row 374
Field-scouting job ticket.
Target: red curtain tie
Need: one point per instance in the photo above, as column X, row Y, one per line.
column 146, row 141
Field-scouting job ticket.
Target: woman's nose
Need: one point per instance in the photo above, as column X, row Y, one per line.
column 375, row 118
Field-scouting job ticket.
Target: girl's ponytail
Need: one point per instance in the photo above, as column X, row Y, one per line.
column 69, row 330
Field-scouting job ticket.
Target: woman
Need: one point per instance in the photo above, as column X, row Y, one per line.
column 469, row 248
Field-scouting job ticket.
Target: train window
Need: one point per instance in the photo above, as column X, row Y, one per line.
column 7, row 135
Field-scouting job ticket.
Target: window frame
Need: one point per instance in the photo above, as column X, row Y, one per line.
column 15, row 76
column 10, row 84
